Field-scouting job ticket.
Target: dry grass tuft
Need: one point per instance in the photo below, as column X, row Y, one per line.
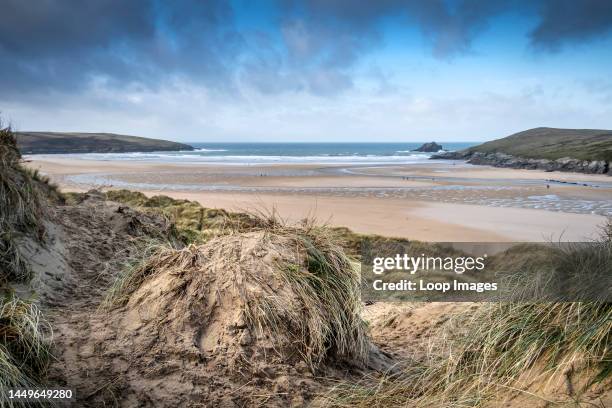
column 479, row 355
column 292, row 285
column 21, row 208
column 328, row 288
column 468, row 367
column 195, row 223
column 136, row 270
column 24, row 349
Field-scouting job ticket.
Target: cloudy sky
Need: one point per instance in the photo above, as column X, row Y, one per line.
column 320, row 70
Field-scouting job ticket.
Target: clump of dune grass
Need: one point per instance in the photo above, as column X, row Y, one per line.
column 585, row 268
column 48, row 189
column 195, row 223
column 154, row 253
column 24, row 349
column 328, row 288
column 558, row 272
column 502, row 342
column 291, row 284
column 21, row 208
column 480, row 355
column 135, row 270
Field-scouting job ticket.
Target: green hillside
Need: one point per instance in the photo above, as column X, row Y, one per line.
column 64, row 142
column 552, row 143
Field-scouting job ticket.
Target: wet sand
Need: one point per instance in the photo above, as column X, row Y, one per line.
column 435, row 201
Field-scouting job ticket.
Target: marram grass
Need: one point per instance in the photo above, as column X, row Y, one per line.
column 24, row 347
column 20, row 208
column 480, row 355
column 322, row 281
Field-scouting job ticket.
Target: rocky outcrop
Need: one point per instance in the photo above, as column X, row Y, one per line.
column 429, row 147
column 460, row 155
column 505, row 160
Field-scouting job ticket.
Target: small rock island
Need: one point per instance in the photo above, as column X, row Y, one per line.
column 431, row 147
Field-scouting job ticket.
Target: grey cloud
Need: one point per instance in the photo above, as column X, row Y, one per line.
column 314, row 45
column 36, row 29
column 324, row 39
column 452, row 31
column 571, row 21
column 65, row 45
column 452, row 26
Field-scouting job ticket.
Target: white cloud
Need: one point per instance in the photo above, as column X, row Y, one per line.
column 189, row 112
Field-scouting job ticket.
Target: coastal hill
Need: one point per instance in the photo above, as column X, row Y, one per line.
column 553, row 143
column 550, row 149
column 65, row 142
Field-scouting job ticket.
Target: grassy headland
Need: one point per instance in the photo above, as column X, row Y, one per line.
column 66, row 142
column 548, row 149
column 553, row 144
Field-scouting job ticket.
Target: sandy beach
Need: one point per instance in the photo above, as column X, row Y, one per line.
column 434, row 201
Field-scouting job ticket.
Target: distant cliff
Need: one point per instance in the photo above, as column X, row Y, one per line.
column 64, row 142
column 549, row 149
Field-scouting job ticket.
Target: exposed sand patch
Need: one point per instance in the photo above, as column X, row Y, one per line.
column 516, row 223
column 414, row 219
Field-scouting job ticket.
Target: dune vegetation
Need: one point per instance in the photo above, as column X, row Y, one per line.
column 194, row 223
column 469, row 362
column 522, row 349
column 516, row 346
column 304, row 290
column 20, row 208
column 24, row 345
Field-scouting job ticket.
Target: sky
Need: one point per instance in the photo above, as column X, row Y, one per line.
column 315, row 71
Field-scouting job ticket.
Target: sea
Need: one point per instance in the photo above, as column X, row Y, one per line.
column 268, row 153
